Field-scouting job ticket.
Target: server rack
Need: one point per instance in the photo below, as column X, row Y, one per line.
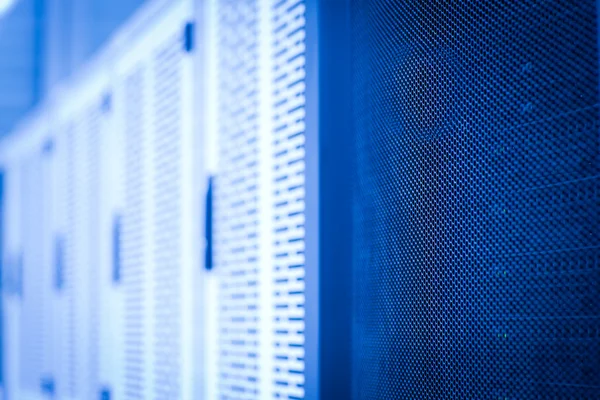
column 312, row 199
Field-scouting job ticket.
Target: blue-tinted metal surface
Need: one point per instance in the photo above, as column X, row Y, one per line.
column 477, row 242
column 335, row 183
column 19, row 61
column 312, row 281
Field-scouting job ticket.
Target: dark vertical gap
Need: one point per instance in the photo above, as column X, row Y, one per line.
column 208, row 228
column 335, row 201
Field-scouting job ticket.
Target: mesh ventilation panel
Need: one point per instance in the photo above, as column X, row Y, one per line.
column 477, row 241
column 32, row 317
column 155, row 259
column 81, row 256
column 62, row 181
column 236, row 205
column 12, row 245
column 259, row 199
column 134, row 224
column 93, row 117
column 47, row 264
column 288, row 200
column 167, row 255
column 69, row 359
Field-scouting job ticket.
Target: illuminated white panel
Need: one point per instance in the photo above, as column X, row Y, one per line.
column 62, row 343
column 236, row 215
column 111, row 208
column 167, row 252
column 157, row 244
column 93, row 117
column 79, row 251
column 77, row 120
column 47, row 265
column 134, row 245
column 32, row 318
column 123, row 146
column 70, row 269
column 12, row 233
column 288, row 189
column 259, row 200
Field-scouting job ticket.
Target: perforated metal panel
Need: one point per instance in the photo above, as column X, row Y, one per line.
column 111, row 208
column 62, row 195
column 82, row 276
column 476, row 210
column 259, row 199
column 47, row 264
column 122, row 149
column 32, row 317
column 93, row 115
column 236, row 202
column 133, row 237
column 288, row 201
column 12, row 237
column 70, row 262
column 168, row 198
column 156, row 243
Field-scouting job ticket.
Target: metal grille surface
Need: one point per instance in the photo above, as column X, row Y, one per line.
column 477, row 241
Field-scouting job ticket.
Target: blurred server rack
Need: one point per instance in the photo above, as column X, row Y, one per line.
column 99, row 241
column 112, row 170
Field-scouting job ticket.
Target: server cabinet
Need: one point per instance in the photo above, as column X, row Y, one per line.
column 255, row 288
column 101, row 229
column 476, row 244
column 154, row 94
